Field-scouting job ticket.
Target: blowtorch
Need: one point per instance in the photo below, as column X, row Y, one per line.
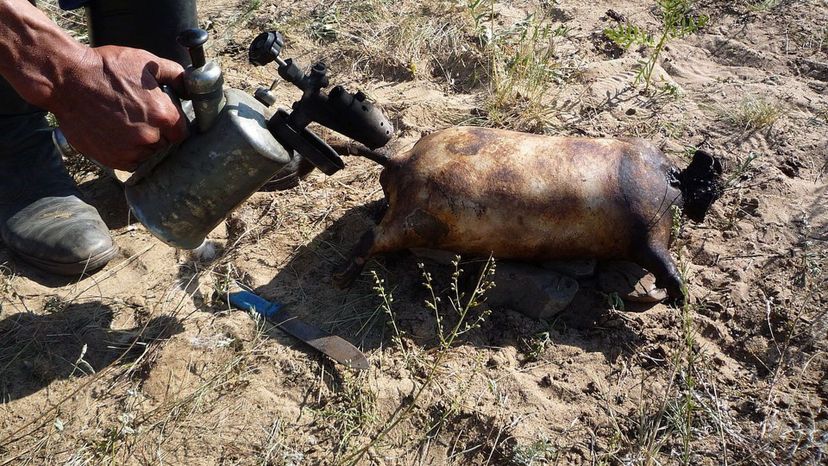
column 238, row 143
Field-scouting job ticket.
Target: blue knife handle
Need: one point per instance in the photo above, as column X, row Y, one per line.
column 248, row 301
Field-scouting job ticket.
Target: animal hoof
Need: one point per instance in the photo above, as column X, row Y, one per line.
column 631, row 282
column 345, row 278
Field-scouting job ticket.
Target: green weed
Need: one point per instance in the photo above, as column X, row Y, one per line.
column 752, row 114
column 764, row 5
column 614, row 301
column 6, row 284
column 744, row 170
column 541, row 451
column 683, row 411
column 538, row 344
column 523, row 73
column 677, row 20
column 625, row 35
column 457, row 305
column 325, row 23
column 677, row 223
column 351, row 411
column 481, row 15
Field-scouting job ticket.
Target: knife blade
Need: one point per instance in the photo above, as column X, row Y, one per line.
column 336, row 348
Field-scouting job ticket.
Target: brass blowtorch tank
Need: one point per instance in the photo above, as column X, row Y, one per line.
column 182, row 195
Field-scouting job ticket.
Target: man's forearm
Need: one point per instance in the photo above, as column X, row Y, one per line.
column 35, row 54
column 108, row 100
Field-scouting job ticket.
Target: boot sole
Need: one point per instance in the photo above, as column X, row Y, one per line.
column 93, row 264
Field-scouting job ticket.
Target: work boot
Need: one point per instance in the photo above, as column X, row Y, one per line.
column 42, row 218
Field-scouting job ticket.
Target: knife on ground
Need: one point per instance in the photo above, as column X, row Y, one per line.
column 333, row 346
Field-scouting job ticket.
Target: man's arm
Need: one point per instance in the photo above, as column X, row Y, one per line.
column 107, row 100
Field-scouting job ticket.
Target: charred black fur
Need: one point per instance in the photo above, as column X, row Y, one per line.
column 700, row 185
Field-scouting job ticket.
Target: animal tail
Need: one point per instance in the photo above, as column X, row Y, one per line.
column 380, row 156
column 700, row 185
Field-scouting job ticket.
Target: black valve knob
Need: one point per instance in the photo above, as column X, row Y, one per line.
column 193, row 40
column 266, row 48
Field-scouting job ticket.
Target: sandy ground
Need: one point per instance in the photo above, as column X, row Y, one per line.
column 143, row 363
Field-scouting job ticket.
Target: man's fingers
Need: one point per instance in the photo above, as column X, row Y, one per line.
column 177, row 131
column 171, row 74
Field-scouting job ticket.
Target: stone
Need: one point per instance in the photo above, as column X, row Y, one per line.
column 814, row 69
column 531, row 290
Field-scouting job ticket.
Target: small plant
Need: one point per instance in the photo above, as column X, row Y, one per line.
column 251, row 6
column 541, row 451
column 744, row 170
column 82, row 364
column 811, row 265
column 625, row 35
column 523, row 72
column 325, row 23
column 764, row 5
column 387, row 298
column 753, row 114
column 460, row 307
column 223, row 283
column 54, row 304
column 683, row 413
column 669, row 90
column 614, row 301
column 276, row 450
column 677, row 223
column 6, row 287
column 677, row 21
column 351, row 411
column 480, row 15
column 821, row 116
column 538, row 344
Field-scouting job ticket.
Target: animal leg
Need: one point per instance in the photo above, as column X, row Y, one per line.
column 390, row 235
column 657, row 260
column 348, row 274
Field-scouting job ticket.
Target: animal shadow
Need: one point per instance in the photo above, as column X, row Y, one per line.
column 305, row 286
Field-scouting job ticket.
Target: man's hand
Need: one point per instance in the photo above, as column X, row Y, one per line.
column 108, row 100
column 111, row 107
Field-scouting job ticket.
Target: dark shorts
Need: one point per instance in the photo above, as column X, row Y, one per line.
column 72, row 4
